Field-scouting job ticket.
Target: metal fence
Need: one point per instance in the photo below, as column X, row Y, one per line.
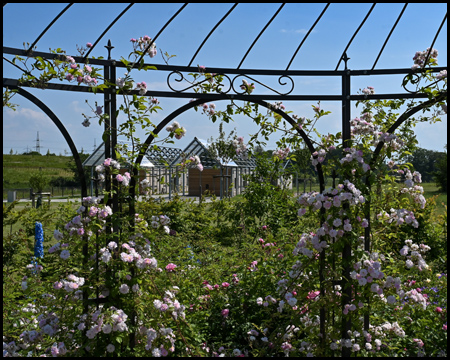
column 56, row 191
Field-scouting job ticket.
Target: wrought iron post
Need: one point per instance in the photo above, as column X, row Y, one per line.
column 107, row 128
column 347, row 250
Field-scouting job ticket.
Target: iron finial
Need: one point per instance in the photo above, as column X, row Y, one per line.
column 109, row 47
column 345, row 58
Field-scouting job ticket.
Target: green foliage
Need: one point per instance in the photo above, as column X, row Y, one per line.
column 266, row 202
column 38, row 181
column 426, row 162
column 441, row 172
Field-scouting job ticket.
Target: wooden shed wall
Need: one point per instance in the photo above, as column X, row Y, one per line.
column 205, row 179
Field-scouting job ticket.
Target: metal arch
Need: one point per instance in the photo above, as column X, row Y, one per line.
column 210, row 33
column 107, row 29
column 63, row 131
column 389, row 35
column 356, row 32
column 434, row 40
column 30, row 49
column 198, row 102
column 259, row 35
column 159, row 33
column 306, row 36
column 405, row 116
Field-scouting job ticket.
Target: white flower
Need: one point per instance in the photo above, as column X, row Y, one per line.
column 391, row 299
column 124, row 289
column 236, row 352
column 157, row 304
column 64, row 254
column 292, row 301
column 107, row 329
column 110, row 348
column 57, row 235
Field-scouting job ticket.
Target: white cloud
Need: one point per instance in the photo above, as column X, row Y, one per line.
column 27, row 113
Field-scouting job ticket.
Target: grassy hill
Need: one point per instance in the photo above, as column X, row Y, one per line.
column 17, row 169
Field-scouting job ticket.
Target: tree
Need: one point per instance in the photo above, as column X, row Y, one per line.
column 38, row 181
column 425, row 161
column 223, row 151
column 441, row 171
column 73, row 167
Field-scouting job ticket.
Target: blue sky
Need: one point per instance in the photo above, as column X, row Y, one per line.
column 84, row 23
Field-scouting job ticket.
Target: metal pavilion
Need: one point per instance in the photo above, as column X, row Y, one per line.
column 229, row 89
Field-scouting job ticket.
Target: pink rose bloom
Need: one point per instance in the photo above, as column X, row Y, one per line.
column 92, row 211
column 225, row 284
column 312, row 295
column 438, row 309
column 170, row 267
column 89, row 45
column 225, row 313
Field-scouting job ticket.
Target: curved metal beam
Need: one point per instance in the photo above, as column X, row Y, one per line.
column 306, row 36
column 106, row 30
column 198, row 102
column 63, row 131
column 159, row 33
column 210, row 33
column 390, row 33
column 434, row 40
column 259, row 35
column 356, row 32
column 407, row 114
column 30, row 49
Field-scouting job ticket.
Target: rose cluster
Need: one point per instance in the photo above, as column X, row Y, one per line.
column 420, row 57
column 413, row 254
column 106, row 324
column 363, row 126
column 161, row 221
column 248, row 88
column 241, row 148
column 142, row 44
column 281, row 154
column 368, row 90
column 107, row 164
column 318, row 157
column 80, row 75
column 178, row 130
column 399, row 217
column 209, row 109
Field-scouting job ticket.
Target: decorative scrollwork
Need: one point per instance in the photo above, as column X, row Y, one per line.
column 415, row 79
column 213, row 80
column 218, row 83
column 260, row 83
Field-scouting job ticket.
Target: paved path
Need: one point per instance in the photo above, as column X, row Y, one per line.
column 163, row 197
